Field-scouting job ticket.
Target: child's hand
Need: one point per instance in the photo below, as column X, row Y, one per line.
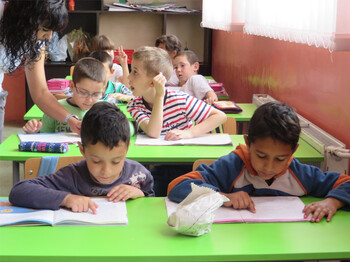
column 210, row 97
column 32, row 126
column 178, row 134
column 79, row 203
column 159, row 84
column 123, row 57
column 124, row 192
column 319, row 209
column 120, row 97
column 239, row 200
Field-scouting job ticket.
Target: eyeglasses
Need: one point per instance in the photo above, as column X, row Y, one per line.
column 85, row 94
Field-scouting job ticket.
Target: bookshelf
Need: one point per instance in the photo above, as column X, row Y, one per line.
column 133, row 29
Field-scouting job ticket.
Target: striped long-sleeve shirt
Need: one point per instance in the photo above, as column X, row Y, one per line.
column 179, row 110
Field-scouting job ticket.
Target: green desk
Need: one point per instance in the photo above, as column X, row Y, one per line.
column 151, row 154
column 148, row 238
column 35, row 113
column 243, row 118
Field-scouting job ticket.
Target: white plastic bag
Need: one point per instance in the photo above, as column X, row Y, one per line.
column 57, row 48
column 195, row 214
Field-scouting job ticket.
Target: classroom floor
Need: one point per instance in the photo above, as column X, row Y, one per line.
column 6, row 166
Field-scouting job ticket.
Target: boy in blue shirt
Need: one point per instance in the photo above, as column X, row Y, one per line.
column 266, row 166
column 116, row 92
column 88, row 86
column 105, row 171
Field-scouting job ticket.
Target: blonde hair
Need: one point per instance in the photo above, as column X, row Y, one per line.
column 155, row 60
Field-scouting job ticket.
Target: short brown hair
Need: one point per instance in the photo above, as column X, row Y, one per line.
column 171, row 43
column 90, row 68
column 155, row 61
column 101, row 43
column 191, row 56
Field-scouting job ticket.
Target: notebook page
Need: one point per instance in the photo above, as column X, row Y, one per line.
column 50, row 137
column 108, row 213
column 268, row 209
column 210, row 139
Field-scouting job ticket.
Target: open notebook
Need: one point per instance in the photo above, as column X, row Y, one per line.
column 268, row 209
column 108, row 213
column 210, row 139
column 50, row 137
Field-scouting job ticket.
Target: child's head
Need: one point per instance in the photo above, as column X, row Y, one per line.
column 103, row 43
column 106, row 60
column 88, row 84
column 105, row 136
column 186, row 64
column 273, row 137
column 147, row 62
column 169, row 43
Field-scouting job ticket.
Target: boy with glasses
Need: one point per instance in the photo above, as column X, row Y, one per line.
column 88, row 86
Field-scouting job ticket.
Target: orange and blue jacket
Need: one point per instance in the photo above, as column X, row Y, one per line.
column 234, row 172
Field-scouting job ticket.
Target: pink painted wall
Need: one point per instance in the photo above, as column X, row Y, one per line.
column 312, row 80
column 14, row 84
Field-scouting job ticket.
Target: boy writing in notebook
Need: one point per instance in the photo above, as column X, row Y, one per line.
column 157, row 110
column 105, row 171
column 186, row 65
column 116, row 92
column 266, row 166
column 88, row 86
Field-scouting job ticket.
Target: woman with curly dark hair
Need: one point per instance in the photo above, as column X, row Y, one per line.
column 25, row 26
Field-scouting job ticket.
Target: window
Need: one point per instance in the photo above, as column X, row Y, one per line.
column 322, row 23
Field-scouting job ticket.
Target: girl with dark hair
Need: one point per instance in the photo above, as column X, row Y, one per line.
column 25, row 26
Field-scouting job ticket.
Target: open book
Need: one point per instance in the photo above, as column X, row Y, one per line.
column 206, row 140
column 50, row 137
column 108, row 213
column 268, row 209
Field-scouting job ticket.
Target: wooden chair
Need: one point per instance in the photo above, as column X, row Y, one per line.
column 202, row 161
column 32, row 165
column 71, row 70
column 229, row 127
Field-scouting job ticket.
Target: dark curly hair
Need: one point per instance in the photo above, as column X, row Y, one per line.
column 171, row 43
column 275, row 120
column 20, row 23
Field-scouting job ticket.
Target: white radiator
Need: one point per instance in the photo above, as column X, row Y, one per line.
column 335, row 154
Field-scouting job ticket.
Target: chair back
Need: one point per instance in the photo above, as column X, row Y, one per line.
column 202, row 161
column 32, row 165
column 229, row 127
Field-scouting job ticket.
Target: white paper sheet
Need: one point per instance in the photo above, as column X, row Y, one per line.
column 50, row 137
column 210, row 139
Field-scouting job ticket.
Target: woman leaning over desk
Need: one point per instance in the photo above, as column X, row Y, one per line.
column 25, row 25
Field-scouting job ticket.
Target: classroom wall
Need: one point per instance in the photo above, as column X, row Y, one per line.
column 16, row 100
column 313, row 80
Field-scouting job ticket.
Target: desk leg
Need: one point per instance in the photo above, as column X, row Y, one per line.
column 15, row 172
column 240, row 128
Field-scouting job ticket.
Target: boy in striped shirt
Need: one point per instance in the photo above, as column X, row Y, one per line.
column 160, row 111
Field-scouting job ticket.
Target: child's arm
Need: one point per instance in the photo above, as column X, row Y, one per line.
column 32, row 126
column 79, row 203
column 153, row 126
column 210, row 97
column 123, row 59
column 124, row 192
column 327, row 207
column 121, row 97
column 216, row 118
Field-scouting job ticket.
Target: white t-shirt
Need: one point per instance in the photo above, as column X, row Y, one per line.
column 196, row 86
column 173, row 81
column 118, row 72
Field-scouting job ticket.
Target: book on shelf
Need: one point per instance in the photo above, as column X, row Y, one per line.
column 268, row 209
column 206, row 140
column 108, row 214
